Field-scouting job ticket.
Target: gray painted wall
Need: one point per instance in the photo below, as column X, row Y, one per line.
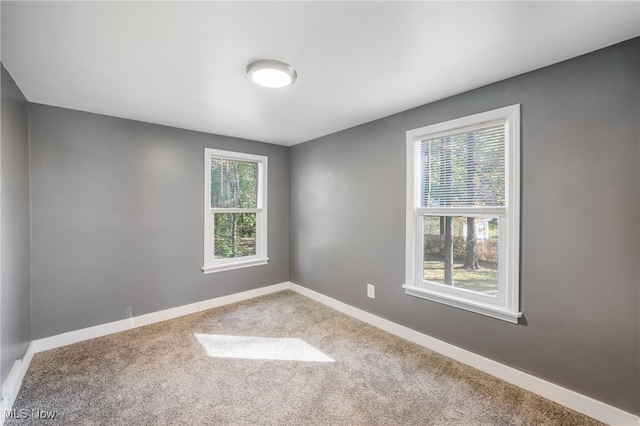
column 118, row 219
column 580, row 235
column 15, row 310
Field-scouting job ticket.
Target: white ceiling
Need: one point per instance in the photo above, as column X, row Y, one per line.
column 182, row 64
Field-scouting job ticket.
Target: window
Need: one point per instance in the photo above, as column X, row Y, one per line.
column 462, row 241
column 235, row 210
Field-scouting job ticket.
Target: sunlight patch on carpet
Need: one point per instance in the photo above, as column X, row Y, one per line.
column 272, row 348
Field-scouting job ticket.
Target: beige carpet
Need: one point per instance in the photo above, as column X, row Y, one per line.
column 161, row 375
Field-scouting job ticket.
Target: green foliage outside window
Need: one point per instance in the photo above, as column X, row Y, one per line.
column 235, row 235
column 234, row 185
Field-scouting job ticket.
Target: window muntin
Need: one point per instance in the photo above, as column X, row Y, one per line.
column 462, row 186
column 235, row 210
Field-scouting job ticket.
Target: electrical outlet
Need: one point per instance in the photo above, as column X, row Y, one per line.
column 371, row 291
column 128, row 313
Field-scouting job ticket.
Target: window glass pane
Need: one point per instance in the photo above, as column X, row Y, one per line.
column 234, row 234
column 233, row 183
column 462, row 252
column 464, row 169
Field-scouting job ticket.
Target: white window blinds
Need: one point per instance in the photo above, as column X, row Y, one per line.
column 464, row 169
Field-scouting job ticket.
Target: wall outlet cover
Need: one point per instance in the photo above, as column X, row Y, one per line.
column 371, row 291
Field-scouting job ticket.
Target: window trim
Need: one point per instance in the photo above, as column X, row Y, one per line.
column 506, row 309
column 260, row 258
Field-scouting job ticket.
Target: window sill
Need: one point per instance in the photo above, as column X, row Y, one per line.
column 235, row 265
column 478, row 308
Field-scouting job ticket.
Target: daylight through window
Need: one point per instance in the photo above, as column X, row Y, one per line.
column 235, row 210
column 463, row 212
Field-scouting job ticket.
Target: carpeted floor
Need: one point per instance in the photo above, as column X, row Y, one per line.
column 161, row 375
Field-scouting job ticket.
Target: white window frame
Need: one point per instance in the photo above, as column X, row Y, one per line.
column 260, row 258
column 505, row 305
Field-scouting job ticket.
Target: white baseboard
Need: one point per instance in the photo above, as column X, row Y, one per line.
column 192, row 308
column 4, row 409
column 566, row 397
column 10, row 387
column 573, row 400
column 76, row 336
column 64, row 339
column 12, row 383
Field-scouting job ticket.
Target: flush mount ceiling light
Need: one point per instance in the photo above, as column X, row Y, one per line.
column 271, row 73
